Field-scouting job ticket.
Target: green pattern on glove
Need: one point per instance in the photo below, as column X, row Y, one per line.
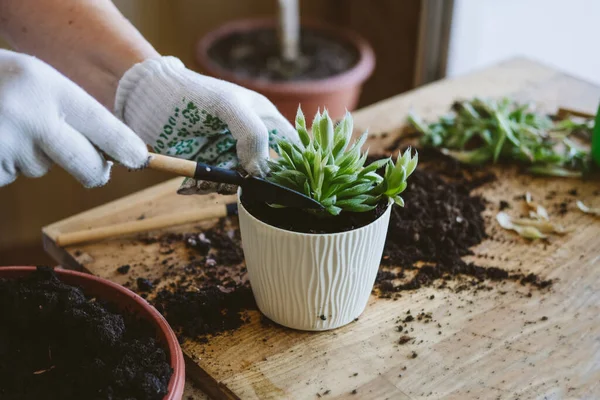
column 196, row 134
column 190, row 131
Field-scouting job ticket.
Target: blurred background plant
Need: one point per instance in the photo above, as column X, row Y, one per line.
column 480, row 131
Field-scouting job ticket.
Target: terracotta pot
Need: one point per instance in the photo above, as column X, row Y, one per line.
column 336, row 93
column 124, row 299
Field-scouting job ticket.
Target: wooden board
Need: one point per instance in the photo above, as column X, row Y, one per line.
column 497, row 344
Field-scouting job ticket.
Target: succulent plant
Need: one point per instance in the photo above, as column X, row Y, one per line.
column 327, row 168
column 487, row 130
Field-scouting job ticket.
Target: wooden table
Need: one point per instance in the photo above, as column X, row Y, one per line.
column 497, row 344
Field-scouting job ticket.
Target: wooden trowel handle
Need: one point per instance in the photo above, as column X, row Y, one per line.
column 177, row 166
column 193, row 169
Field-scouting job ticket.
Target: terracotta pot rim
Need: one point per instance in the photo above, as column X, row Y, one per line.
column 352, row 77
column 177, row 381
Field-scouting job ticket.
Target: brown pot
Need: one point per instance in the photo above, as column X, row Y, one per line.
column 125, row 300
column 337, row 93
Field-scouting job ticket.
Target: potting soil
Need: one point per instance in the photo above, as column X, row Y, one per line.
column 209, row 294
column 298, row 220
column 56, row 343
column 256, row 54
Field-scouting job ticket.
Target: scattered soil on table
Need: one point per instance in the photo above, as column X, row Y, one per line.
column 256, row 55
column 56, row 343
column 210, row 293
column 298, row 220
column 439, row 224
column 206, row 311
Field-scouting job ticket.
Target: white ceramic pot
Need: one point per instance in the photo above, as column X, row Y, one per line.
column 307, row 281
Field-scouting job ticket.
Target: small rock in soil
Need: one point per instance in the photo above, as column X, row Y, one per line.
column 404, row 339
column 144, row 285
column 123, row 269
column 198, row 242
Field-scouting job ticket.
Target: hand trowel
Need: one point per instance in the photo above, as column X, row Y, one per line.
column 255, row 188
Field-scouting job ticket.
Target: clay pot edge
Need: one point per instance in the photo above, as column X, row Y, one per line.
column 354, row 76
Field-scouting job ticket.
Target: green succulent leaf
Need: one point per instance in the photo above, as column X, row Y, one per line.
column 301, row 128
column 347, row 205
column 355, row 190
column 374, row 166
column 316, row 130
column 329, row 201
column 393, row 191
column 399, row 201
column 334, row 210
column 343, row 179
column 326, row 132
column 342, row 135
column 286, row 156
column 372, row 177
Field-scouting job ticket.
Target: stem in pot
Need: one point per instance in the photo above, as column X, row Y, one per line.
column 289, row 30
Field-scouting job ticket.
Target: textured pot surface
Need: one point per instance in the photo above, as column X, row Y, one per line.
column 312, row 281
column 125, row 300
column 336, row 93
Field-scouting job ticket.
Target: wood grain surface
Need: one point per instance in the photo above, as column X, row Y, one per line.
column 506, row 343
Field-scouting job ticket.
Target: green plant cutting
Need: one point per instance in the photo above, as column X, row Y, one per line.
column 478, row 131
column 329, row 169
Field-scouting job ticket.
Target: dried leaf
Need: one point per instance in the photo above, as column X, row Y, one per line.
column 528, row 232
column 539, row 211
column 588, row 210
column 541, row 225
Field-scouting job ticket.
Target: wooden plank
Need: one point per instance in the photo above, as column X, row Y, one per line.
column 489, row 344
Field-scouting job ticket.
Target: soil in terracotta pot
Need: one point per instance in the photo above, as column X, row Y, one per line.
column 298, row 220
column 255, row 55
column 56, row 343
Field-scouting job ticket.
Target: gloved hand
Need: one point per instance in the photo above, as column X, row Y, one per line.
column 45, row 118
column 181, row 113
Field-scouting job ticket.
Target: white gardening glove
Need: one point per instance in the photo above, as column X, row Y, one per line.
column 184, row 114
column 46, row 118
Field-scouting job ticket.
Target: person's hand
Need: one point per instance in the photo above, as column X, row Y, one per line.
column 45, row 118
column 184, row 114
